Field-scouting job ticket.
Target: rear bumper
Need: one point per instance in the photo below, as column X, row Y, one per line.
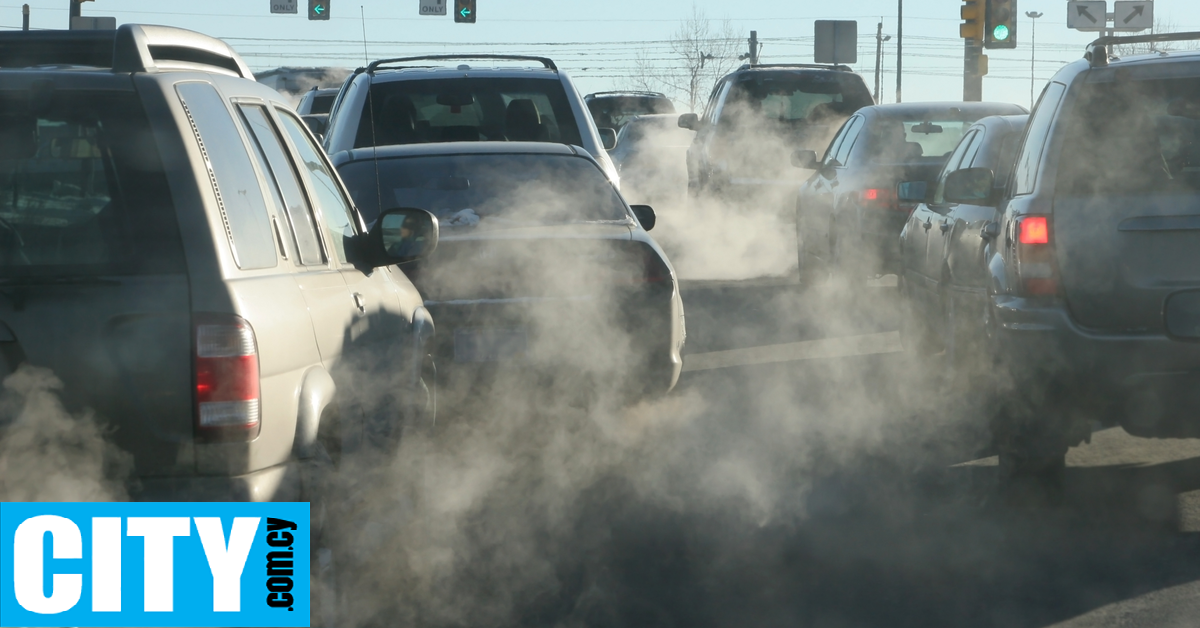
column 1148, row 383
column 278, row 483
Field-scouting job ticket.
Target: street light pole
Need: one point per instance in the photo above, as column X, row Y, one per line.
column 899, row 46
column 879, row 39
column 1033, row 16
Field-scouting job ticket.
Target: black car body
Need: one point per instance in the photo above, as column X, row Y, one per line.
column 541, row 267
column 848, row 216
column 757, row 115
column 613, row 109
column 942, row 245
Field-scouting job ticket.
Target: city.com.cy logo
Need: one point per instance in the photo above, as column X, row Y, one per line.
column 154, row 564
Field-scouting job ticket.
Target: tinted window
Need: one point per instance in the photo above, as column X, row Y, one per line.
column 335, row 210
column 474, row 109
column 491, row 190
column 615, row 111
column 291, row 195
column 969, row 156
column 238, row 192
column 322, row 103
column 843, row 152
column 1025, row 172
column 1133, row 137
column 796, row 97
column 82, row 188
column 836, row 143
column 952, row 164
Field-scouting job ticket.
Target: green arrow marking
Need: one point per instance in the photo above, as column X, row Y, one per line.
column 465, row 12
column 319, row 9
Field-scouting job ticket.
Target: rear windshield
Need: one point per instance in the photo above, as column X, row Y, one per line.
column 900, row 141
column 322, row 103
column 1133, row 137
column 82, row 187
column 615, row 111
column 796, row 97
column 487, row 190
column 468, row 110
column 657, row 132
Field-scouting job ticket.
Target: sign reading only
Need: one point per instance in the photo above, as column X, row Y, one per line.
column 433, row 7
column 285, row 6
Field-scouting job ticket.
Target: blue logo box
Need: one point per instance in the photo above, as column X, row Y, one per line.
column 195, row 564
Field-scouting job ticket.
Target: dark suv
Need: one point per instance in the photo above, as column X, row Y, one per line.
column 758, row 115
column 1094, row 290
column 176, row 247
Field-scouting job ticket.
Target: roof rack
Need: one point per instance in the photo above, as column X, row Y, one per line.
column 375, row 65
column 129, row 48
column 1097, row 52
column 821, row 66
column 627, row 92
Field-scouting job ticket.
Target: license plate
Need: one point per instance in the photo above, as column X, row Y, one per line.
column 489, row 345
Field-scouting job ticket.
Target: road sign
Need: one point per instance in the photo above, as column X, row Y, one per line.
column 93, row 23
column 318, row 9
column 836, row 41
column 285, row 6
column 1133, row 16
column 433, row 7
column 1087, row 15
column 464, row 11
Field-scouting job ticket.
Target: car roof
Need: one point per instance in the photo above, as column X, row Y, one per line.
column 414, row 74
column 461, row 148
column 968, row 110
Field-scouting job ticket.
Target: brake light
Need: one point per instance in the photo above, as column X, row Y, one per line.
column 227, row 379
column 1035, row 257
column 879, row 198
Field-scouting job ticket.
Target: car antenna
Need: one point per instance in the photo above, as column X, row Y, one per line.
column 371, row 105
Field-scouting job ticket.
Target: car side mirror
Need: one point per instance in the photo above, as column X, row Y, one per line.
column 608, row 138
column 318, row 123
column 805, row 159
column 645, row 215
column 972, row 186
column 402, row 235
column 689, row 121
column 912, row 191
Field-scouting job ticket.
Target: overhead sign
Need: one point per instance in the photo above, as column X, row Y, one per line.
column 285, row 6
column 836, row 41
column 433, row 7
column 1133, row 16
column 93, row 23
column 1087, row 15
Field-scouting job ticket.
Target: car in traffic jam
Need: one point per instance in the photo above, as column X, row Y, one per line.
column 717, row 343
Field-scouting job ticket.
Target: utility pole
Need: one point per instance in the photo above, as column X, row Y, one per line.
column 25, row 17
column 899, row 47
column 879, row 39
column 753, row 47
column 1033, row 16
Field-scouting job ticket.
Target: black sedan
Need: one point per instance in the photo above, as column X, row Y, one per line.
column 848, row 216
column 942, row 245
column 541, row 267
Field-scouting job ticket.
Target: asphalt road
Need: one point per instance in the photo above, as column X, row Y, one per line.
column 806, row 472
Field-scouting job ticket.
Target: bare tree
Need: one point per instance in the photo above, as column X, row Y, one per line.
column 700, row 53
column 1160, row 26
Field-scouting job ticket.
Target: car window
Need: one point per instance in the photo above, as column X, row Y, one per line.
column 925, row 139
column 1025, row 171
column 972, row 153
column 238, row 190
column 714, row 103
column 335, row 209
column 494, row 191
column 1132, row 137
column 289, row 194
column 834, row 144
column 467, row 109
column 82, row 189
column 791, row 98
column 852, row 131
column 952, row 164
column 616, row 110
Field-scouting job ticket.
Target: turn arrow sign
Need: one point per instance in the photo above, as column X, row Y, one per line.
column 1083, row 12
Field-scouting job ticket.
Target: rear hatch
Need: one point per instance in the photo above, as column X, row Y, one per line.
column 93, row 284
column 1126, row 223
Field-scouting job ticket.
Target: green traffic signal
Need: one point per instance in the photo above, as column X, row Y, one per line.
column 1000, row 33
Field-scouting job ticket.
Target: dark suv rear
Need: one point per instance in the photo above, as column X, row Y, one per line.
column 1095, row 264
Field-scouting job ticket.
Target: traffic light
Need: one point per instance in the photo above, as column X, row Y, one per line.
column 1001, row 29
column 464, row 11
column 318, row 9
column 972, row 15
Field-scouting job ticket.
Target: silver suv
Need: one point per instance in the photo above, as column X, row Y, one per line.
column 419, row 100
column 175, row 246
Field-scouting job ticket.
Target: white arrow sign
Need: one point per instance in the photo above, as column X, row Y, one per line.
column 1133, row 16
column 285, row 6
column 433, row 7
column 1087, row 15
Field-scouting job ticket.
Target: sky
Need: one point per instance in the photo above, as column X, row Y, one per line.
column 598, row 42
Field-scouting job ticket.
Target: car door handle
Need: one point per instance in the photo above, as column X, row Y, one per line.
column 927, row 224
column 360, row 302
column 945, row 226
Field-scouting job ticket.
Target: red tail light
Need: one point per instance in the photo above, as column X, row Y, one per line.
column 226, row 371
column 879, row 198
column 1035, row 256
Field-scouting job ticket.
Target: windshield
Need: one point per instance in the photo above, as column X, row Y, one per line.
column 82, row 189
column 490, row 190
column 468, row 110
column 615, row 111
column 792, row 98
